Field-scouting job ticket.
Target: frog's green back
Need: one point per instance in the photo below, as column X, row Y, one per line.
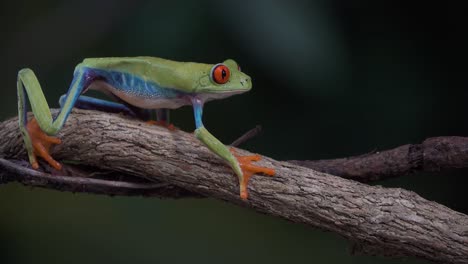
column 134, row 65
column 166, row 73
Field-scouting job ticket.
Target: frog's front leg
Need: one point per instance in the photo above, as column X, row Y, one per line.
column 37, row 133
column 242, row 165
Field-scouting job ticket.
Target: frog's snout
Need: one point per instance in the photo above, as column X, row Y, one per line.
column 246, row 83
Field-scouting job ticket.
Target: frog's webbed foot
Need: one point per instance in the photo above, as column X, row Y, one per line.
column 249, row 169
column 165, row 124
column 41, row 143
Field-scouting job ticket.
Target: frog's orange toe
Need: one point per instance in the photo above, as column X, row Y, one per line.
column 249, row 169
column 41, row 144
column 35, row 165
column 169, row 126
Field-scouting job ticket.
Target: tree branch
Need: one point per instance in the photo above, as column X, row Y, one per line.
column 385, row 221
column 432, row 155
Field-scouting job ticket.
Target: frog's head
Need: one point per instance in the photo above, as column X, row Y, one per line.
column 223, row 80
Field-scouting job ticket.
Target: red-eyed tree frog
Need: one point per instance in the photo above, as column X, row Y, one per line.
column 137, row 83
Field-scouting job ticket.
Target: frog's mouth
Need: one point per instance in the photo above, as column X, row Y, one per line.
column 208, row 96
column 234, row 91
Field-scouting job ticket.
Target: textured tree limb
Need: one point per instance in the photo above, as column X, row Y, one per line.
column 76, row 179
column 432, row 155
column 385, row 221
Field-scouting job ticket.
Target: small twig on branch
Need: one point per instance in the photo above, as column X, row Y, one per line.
column 14, row 171
column 246, row 136
column 432, row 155
column 384, row 221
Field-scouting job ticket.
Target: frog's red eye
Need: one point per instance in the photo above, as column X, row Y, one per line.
column 220, row 74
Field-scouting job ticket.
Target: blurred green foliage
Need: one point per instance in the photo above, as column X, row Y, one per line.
column 331, row 79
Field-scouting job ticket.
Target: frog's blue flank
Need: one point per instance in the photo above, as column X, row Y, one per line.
column 132, row 84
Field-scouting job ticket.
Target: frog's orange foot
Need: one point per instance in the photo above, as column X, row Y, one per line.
column 41, row 144
column 249, row 169
column 169, row 126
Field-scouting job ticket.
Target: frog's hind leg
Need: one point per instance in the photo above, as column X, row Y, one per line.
column 37, row 133
column 91, row 103
column 162, row 115
column 162, row 119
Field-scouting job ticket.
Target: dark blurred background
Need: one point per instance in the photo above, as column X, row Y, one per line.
column 331, row 79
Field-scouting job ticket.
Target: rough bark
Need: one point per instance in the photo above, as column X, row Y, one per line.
column 432, row 155
column 385, row 221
